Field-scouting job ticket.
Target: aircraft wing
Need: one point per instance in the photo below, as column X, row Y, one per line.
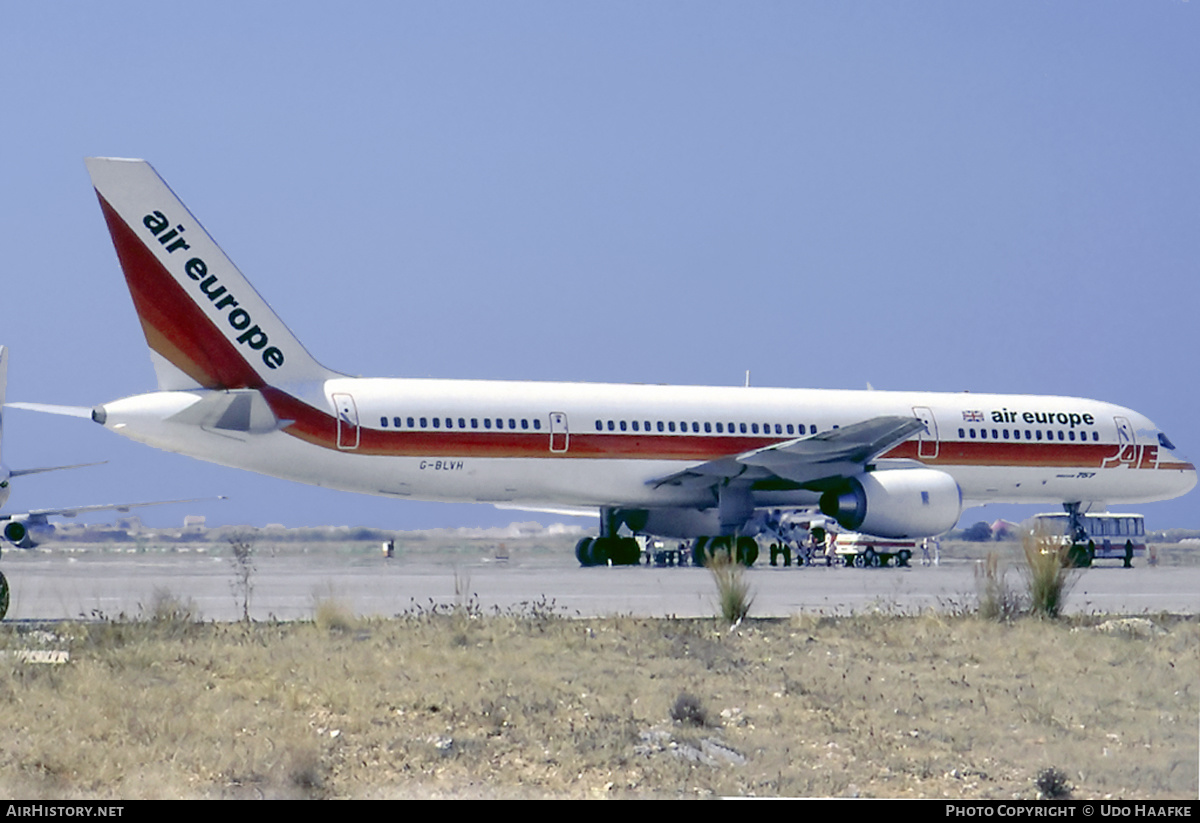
column 23, row 472
column 804, row 461
column 42, row 514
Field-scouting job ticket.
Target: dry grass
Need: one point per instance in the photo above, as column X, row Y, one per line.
column 734, row 597
column 1048, row 574
column 534, row 705
column 997, row 601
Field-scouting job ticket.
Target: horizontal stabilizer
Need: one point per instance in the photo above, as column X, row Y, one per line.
column 49, row 408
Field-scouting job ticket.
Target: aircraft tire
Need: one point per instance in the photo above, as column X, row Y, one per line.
column 4, row 595
column 601, row 550
column 627, row 552
column 700, row 552
column 870, row 558
column 902, row 557
column 860, row 562
column 583, row 551
column 746, row 549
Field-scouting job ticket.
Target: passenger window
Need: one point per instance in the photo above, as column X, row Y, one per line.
column 474, row 422
column 487, row 422
column 512, row 424
column 423, row 423
column 537, row 423
column 622, row 425
column 410, row 423
column 396, row 422
column 660, row 425
column 449, row 423
column 742, row 427
column 524, row 423
column 611, row 426
column 720, row 429
column 437, row 422
column 754, row 428
column 707, row 427
column 462, row 424
column 635, row 425
column 961, row 434
column 383, row 422
column 671, row 425
column 499, row 422
column 695, row 427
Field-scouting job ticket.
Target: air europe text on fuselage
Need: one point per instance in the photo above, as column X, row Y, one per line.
column 1032, row 418
column 251, row 335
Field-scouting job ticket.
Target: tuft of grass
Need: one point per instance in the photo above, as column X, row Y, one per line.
column 1053, row 784
column 689, row 711
column 331, row 615
column 997, row 601
column 241, row 561
column 734, row 597
column 1048, row 575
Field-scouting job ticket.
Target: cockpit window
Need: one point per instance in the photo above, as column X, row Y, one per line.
column 1164, row 442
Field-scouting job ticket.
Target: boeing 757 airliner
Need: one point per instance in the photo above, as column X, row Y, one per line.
column 235, row 387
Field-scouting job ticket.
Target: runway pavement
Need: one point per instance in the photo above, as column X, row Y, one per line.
column 59, row 585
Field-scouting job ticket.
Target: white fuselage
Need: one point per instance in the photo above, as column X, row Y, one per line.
column 588, row 445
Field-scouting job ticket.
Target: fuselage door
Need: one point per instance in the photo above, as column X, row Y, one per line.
column 347, row 421
column 927, row 439
column 559, row 434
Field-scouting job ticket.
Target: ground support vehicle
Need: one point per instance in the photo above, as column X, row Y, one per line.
column 864, row 551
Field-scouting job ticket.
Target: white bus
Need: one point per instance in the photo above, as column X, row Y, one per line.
column 1110, row 536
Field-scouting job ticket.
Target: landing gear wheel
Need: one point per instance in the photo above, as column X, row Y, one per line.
column 583, row 551
column 700, row 553
column 628, row 552
column 902, row 557
column 746, row 550
column 3, row 595
column 602, row 550
column 870, row 558
column 860, row 562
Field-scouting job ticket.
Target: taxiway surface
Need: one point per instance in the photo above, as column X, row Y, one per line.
column 91, row 584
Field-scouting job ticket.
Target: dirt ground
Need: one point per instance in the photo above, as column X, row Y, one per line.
column 456, row 703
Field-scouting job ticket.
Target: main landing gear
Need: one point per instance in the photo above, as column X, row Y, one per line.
column 600, row 551
column 4, row 594
column 743, row 549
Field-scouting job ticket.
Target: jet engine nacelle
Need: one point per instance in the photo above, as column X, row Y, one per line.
column 22, row 533
column 896, row 503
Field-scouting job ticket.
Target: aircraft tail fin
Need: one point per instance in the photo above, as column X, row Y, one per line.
column 205, row 324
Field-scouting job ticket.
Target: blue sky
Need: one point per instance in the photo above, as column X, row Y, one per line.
column 934, row 196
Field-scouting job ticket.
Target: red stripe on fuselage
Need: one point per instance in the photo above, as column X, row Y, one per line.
column 320, row 429
column 174, row 325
